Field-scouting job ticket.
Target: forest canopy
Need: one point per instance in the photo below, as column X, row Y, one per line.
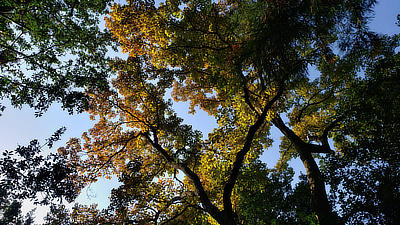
column 248, row 65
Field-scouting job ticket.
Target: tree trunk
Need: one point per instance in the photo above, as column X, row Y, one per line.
column 319, row 199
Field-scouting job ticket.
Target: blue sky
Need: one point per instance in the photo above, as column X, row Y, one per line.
column 19, row 126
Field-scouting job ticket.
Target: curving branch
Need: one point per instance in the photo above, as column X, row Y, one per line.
column 119, row 151
column 309, row 103
column 234, row 173
column 246, row 92
column 296, row 140
column 192, row 176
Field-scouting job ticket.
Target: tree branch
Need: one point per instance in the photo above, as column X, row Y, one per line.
column 192, row 176
column 296, row 140
column 234, row 173
column 246, row 91
column 119, row 151
column 309, row 103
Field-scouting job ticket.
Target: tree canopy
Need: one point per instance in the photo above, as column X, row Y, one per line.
column 247, row 64
column 51, row 50
column 27, row 175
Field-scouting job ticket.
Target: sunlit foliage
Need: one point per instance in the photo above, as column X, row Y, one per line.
column 246, row 63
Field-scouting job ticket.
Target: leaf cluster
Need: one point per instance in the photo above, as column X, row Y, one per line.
column 50, row 51
column 26, row 174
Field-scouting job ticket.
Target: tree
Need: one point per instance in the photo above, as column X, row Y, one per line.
column 27, row 175
column 243, row 62
column 364, row 178
column 50, row 50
